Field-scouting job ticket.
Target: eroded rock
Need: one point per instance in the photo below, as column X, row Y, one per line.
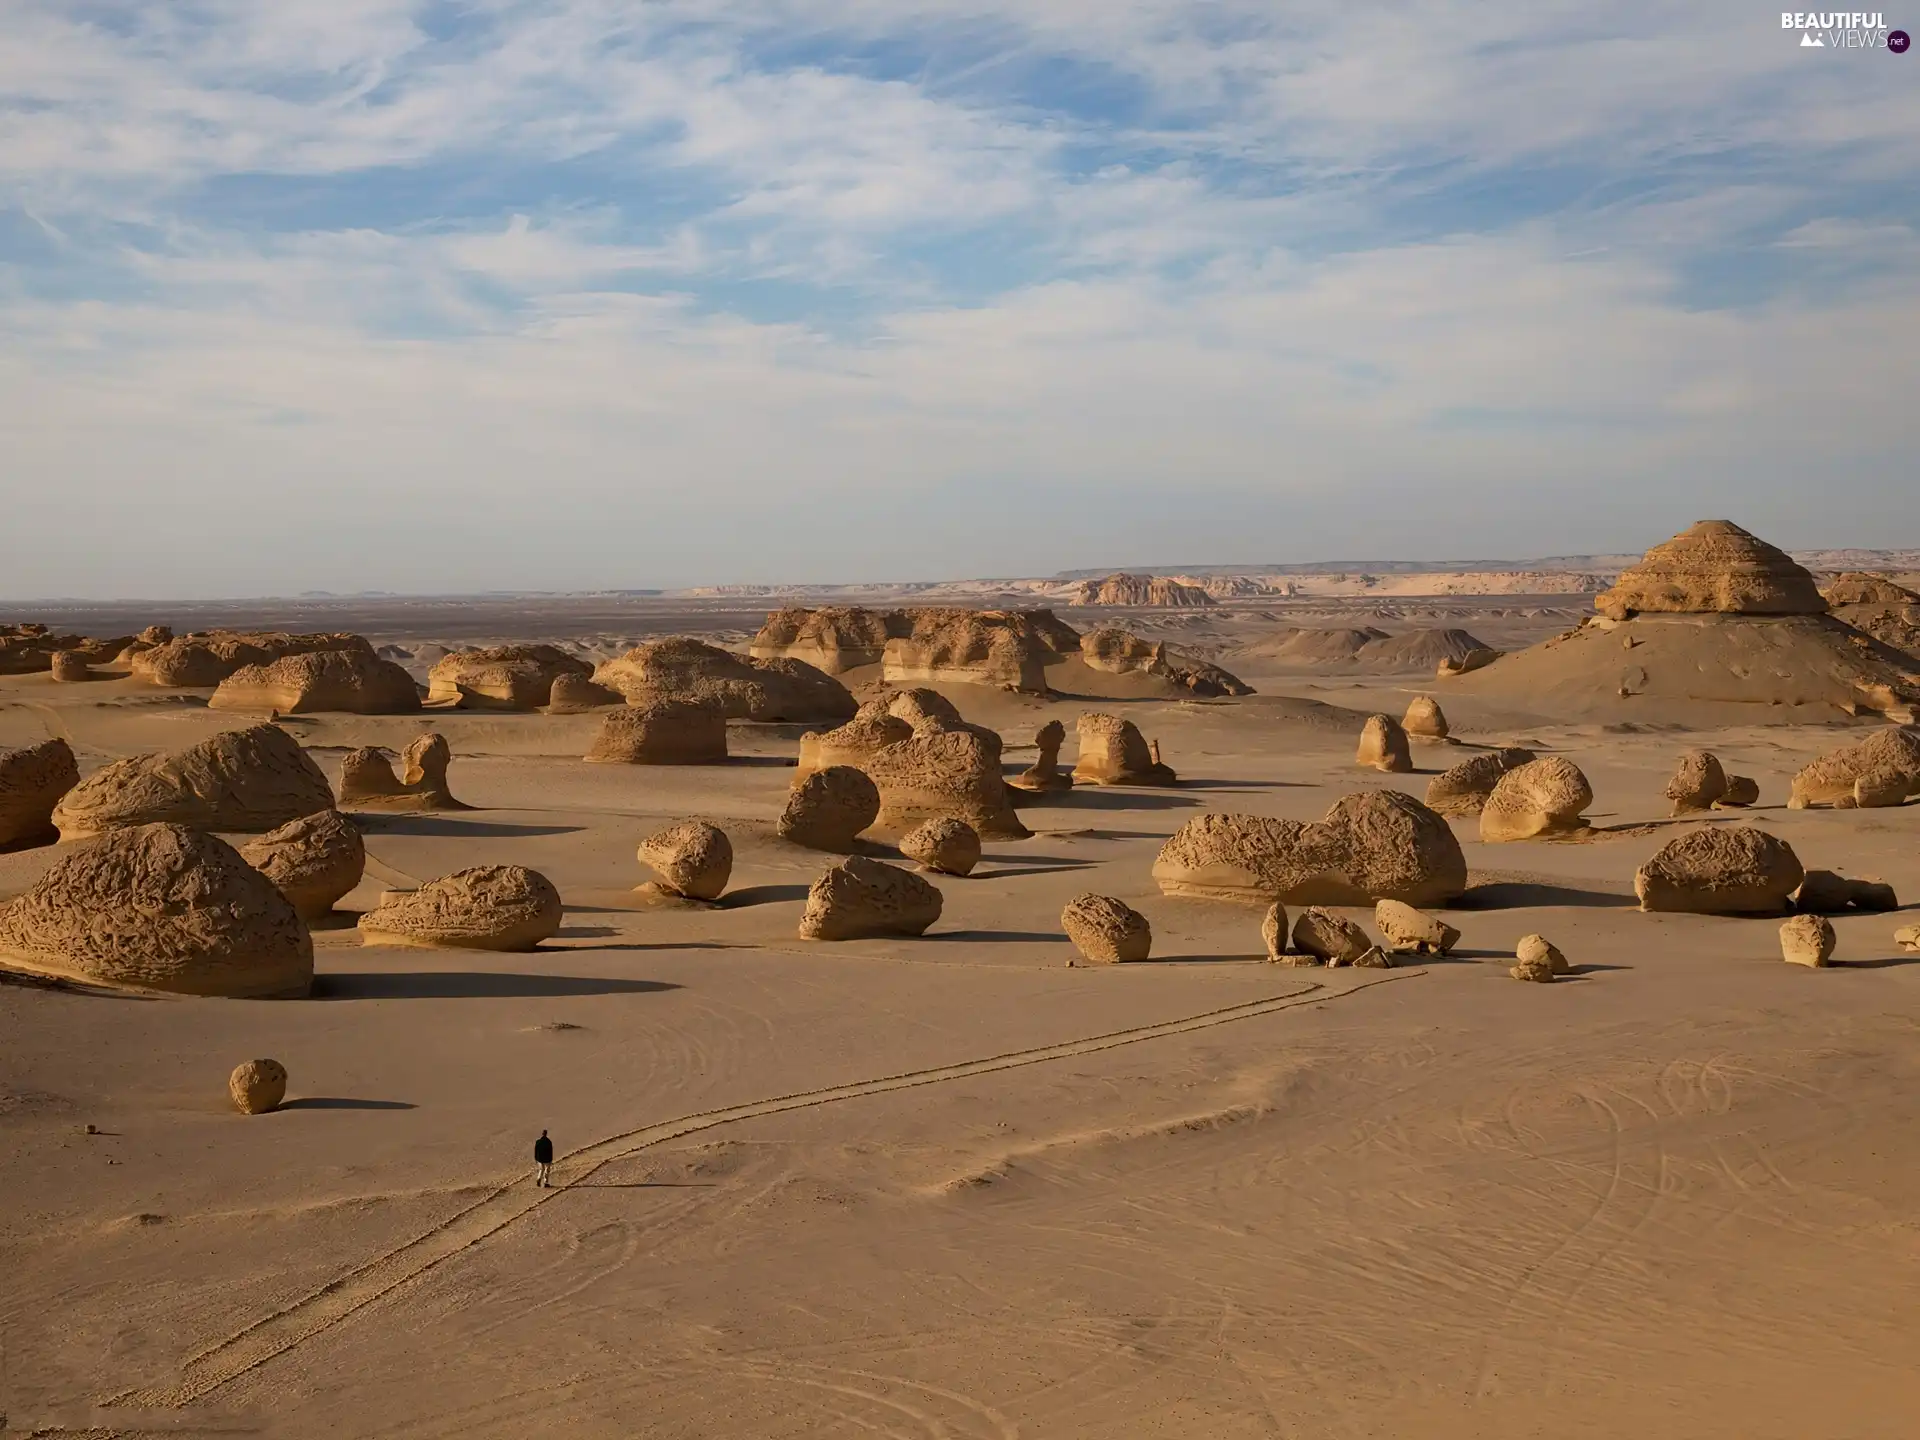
column 861, row 898
column 313, row 861
column 486, row 907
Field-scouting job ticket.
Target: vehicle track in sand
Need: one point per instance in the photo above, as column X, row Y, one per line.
column 248, row 1349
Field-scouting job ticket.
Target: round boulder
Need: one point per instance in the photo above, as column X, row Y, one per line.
column 1383, row 746
column 1721, row 870
column 829, row 809
column 488, row 907
column 860, row 898
column 32, row 780
column 1539, row 799
column 1535, row 950
column 692, row 858
column 1698, row 784
column 313, row 861
column 1425, row 719
column 1463, row 789
column 1807, row 940
column 946, row 846
column 1106, row 931
column 257, row 1086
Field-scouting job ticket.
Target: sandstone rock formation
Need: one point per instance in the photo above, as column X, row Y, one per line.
column 1463, row 789
column 501, row 677
column 1478, row 658
column 939, row 644
column 1121, row 652
column 1855, row 587
column 1720, row 870
column 829, row 809
column 1365, row 647
column 1741, row 791
column 1807, row 940
column 1541, row 798
column 247, row 780
column 831, row 638
column 1329, row 937
column 313, row 861
column 1537, row 950
column 967, row 647
column 1379, row 845
column 1106, row 931
column 1045, row 773
column 487, row 907
column 1698, row 783
column 1874, row 605
column 32, row 780
column 945, row 846
column 68, row 667
column 368, row 782
column 160, row 907
column 692, row 858
column 1413, row 932
column 572, row 694
column 1383, row 746
column 356, row 682
column 257, row 1086
column 1139, row 591
column 1822, row 892
column 203, row 659
column 662, row 732
column 1424, row 719
column 740, row 688
column 1881, row 770
column 1273, row 933
column 1113, row 752
column 860, row 897
column 1715, row 566
column 1537, row 968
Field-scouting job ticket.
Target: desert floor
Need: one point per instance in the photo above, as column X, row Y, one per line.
column 955, row 1187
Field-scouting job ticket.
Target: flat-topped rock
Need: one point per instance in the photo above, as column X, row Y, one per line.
column 662, row 732
column 1113, row 752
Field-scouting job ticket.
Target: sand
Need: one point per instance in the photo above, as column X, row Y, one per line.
column 953, row 1187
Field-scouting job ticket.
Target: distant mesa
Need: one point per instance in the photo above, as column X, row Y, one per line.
column 501, row 677
column 739, row 687
column 354, row 682
column 240, row 780
column 368, row 781
column 1141, row 591
column 203, row 659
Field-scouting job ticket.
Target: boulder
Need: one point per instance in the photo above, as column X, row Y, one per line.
column 1822, row 892
column 1807, row 940
column 313, row 861
column 1741, row 791
column 368, row 781
column 1413, row 932
column 1045, row 773
column 1377, row 845
column 32, row 780
column 203, row 659
column 945, row 846
column 1698, row 783
column 1106, row 931
column 1329, row 937
column 692, row 858
column 829, row 809
column 487, row 907
column 1273, row 933
column 1883, row 769
column 248, row 780
column 68, row 666
column 257, row 1086
column 1372, row 958
column 1539, row 799
column 831, row 638
column 739, row 687
column 1538, row 968
column 160, row 907
column 1720, row 870
column 1113, row 752
column 356, row 682
column 927, row 763
column 1383, row 746
column 1535, row 950
column 1121, row 652
column 860, row 897
column 1424, row 719
column 662, row 732
column 1713, row 567
column 573, row 694
column 501, row 677
column 1463, row 789
column 1907, row 937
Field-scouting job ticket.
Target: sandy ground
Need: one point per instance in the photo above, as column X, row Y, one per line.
column 953, row 1187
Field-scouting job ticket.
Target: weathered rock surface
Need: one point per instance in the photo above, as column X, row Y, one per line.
column 313, row 861
column 1720, row 870
column 1425, row 719
column 160, row 907
column 1698, row 782
column 1539, row 799
column 69, row 667
column 368, row 781
column 1113, row 752
column 692, row 858
column 1378, row 845
column 1822, row 892
column 1538, row 969
column 487, row 907
column 356, row 682
column 247, row 780
column 829, row 809
column 1121, row 652
column 1413, row 932
column 739, row 687
column 945, row 846
column 1807, row 940
column 1045, row 773
column 1907, row 937
column 1463, row 789
column 32, row 780
column 1106, row 931
column 1536, row 950
column 1329, row 936
column 203, row 659
column 662, row 732
column 1273, row 933
column 1869, row 774
column 860, row 897
column 501, row 677
column 1140, row 592
column 257, row 1086
column 1383, row 746
column 927, row 763
column 1742, row 790
column 1714, row 566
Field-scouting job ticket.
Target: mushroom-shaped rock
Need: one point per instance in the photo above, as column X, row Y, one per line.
column 945, row 845
column 573, row 693
column 1540, row 798
column 160, row 907
column 828, row 809
column 1383, row 746
column 355, row 682
column 1105, row 930
column 1329, row 936
column 1273, row 933
column 1045, row 772
column 1113, row 752
column 692, row 858
column 1538, row 950
column 501, row 677
column 741, row 688
column 32, row 780
column 1807, row 940
column 1377, row 845
column 1714, row 567
column 662, row 732
column 1720, row 870
column 487, row 907
column 1463, row 789
column 1822, row 892
column 1424, row 719
column 1413, row 932
column 68, row 666
column 860, row 897
column 257, row 1086
column 368, row 781
column 313, row 861
column 1698, row 783
column 1887, row 761
column 247, row 780
column 1741, row 791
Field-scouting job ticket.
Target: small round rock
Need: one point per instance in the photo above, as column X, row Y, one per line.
column 1105, row 930
column 257, row 1086
column 1538, row 950
column 1807, row 940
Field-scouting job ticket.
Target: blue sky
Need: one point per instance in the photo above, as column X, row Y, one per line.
column 450, row 295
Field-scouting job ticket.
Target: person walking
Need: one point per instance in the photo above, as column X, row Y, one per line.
column 542, row 1161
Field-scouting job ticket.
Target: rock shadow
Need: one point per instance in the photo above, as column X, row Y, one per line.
column 1525, row 894
column 471, row 985
column 762, row 895
column 452, row 826
column 340, row 1102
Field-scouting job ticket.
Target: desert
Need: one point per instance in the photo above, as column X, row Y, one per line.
column 959, row 1038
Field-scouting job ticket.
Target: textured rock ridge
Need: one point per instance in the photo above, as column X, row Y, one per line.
column 662, row 732
column 246, row 780
column 738, row 686
column 487, row 907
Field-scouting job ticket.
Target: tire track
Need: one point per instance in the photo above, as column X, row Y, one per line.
column 250, row 1348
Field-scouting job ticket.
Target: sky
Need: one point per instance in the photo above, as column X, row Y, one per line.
column 456, row 295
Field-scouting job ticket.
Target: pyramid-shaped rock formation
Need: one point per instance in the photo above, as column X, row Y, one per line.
column 1714, row 567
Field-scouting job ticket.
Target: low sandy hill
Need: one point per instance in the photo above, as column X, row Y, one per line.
column 1364, row 647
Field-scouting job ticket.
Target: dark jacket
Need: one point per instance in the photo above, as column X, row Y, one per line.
column 543, row 1151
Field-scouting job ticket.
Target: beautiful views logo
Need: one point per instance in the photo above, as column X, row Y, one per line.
column 1843, row 30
